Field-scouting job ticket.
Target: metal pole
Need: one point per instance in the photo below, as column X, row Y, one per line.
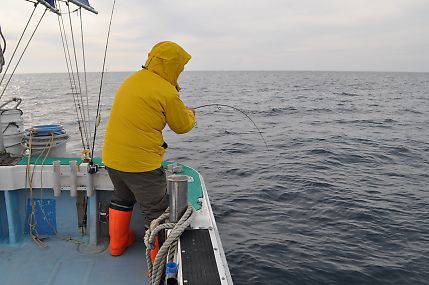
column 177, row 186
column 1, row 135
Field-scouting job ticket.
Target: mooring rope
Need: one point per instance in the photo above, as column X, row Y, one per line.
column 97, row 117
column 22, row 55
column 169, row 246
column 242, row 112
column 51, row 142
column 32, row 222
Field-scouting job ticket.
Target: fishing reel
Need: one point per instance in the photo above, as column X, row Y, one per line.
column 93, row 168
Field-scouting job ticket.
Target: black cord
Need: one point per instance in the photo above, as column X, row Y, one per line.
column 4, row 42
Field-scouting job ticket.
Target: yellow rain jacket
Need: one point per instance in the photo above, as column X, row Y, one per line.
column 143, row 105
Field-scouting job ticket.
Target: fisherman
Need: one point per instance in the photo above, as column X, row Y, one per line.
column 133, row 147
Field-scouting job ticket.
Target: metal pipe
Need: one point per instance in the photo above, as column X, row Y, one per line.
column 177, row 186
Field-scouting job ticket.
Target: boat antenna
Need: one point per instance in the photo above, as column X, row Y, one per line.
column 242, row 112
column 97, row 117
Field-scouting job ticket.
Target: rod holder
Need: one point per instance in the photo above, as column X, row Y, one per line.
column 73, row 176
column 89, row 185
column 177, row 187
column 57, row 178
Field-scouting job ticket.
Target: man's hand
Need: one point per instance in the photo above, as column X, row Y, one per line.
column 192, row 109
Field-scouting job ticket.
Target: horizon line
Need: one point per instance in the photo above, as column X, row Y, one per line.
column 251, row 70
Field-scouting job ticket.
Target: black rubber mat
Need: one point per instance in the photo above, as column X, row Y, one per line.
column 7, row 160
column 198, row 260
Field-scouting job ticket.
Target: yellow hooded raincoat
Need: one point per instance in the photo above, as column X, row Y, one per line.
column 143, row 105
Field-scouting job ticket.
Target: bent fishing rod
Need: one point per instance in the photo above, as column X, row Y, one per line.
column 238, row 110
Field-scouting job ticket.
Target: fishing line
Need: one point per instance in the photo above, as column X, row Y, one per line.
column 238, row 110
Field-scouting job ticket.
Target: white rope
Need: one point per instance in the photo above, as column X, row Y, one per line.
column 170, row 245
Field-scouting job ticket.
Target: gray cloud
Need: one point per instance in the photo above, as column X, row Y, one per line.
column 243, row 34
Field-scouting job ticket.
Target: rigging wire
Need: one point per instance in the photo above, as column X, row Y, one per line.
column 239, row 110
column 22, row 55
column 84, row 72
column 85, row 127
column 70, row 73
column 68, row 56
column 97, row 118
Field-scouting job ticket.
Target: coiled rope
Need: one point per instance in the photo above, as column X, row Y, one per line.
column 169, row 247
column 32, row 222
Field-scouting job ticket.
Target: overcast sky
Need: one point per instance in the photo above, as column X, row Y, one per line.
column 373, row 35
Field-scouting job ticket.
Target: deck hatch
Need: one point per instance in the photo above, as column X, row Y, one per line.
column 198, row 260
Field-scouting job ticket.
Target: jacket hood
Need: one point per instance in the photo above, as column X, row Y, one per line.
column 167, row 59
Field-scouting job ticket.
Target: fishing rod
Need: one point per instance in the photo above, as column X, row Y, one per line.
column 238, row 110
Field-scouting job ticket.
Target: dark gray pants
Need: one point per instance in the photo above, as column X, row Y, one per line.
column 149, row 189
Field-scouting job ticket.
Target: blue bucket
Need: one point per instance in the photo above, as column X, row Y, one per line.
column 46, row 130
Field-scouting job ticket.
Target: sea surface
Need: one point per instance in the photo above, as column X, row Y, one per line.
column 340, row 197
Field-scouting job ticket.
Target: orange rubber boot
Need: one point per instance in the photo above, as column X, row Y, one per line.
column 154, row 251
column 121, row 236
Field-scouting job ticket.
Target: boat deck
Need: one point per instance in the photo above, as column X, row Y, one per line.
column 87, row 261
column 68, row 263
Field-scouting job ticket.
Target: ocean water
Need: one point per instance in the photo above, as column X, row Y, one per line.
column 340, row 197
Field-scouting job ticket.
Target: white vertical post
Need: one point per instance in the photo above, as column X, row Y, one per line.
column 89, row 184
column 73, row 176
column 57, row 178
